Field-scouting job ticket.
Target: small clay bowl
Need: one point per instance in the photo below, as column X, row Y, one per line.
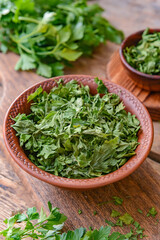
column 131, row 103
column 145, row 81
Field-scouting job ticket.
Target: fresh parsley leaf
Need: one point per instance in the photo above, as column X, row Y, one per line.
column 44, row 70
column 49, row 34
column 95, row 212
column 26, row 62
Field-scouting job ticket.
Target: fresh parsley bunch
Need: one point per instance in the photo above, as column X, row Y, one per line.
column 74, row 134
column 49, row 34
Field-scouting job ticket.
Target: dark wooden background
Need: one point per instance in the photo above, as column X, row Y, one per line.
column 18, row 190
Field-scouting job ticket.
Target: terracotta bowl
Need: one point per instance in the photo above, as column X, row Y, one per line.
column 131, row 103
column 145, row 81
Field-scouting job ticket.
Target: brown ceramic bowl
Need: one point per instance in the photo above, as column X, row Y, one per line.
column 145, row 81
column 131, row 103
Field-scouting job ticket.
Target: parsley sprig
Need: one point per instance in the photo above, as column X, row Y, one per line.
column 43, row 226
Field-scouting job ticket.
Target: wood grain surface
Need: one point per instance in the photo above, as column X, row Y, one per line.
column 18, row 190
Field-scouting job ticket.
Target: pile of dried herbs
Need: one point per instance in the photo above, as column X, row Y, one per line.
column 145, row 56
column 73, row 134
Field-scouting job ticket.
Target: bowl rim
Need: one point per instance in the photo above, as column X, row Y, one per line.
column 127, row 65
column 81, row 184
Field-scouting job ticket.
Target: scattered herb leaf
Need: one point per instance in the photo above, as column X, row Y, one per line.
column 152, row 212
column 115, row 213
column 80, row 211
column 139, row 210
column 117, row 200
column 95, row 212
column 110, row 223
column 126, row 218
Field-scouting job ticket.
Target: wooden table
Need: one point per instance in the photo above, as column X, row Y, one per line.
column 18, row 190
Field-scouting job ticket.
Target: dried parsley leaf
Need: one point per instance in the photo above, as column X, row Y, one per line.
column 80, row 211
column 139, row 210
column 110, row 223
column 95, row 212
column 117, row 200
column 152, row 212
column 126, row 218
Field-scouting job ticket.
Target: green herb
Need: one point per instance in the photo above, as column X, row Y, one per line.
column 115, row 213
column 139, row 210
column 110, row 223
column 126, row 218
column 42, row 226
column 71, row 133
column 119, row 223
column 95, row 212
column 45, row 226
column 139, row 230
column 49, row 34
column 152, row 212
column 80, row 211
column 117, row 200
column 135, row 233
column 145, row 56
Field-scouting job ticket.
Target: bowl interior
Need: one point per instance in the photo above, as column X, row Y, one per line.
column 131, row 40
column 131, row 103
column 134, row 38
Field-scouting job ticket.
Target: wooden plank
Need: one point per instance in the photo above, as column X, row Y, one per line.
column 19, row 190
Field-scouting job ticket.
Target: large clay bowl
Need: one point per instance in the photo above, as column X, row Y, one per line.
column 131, row 103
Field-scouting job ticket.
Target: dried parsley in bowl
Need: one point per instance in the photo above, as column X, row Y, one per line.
column 73, row 134
column 145, row 56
